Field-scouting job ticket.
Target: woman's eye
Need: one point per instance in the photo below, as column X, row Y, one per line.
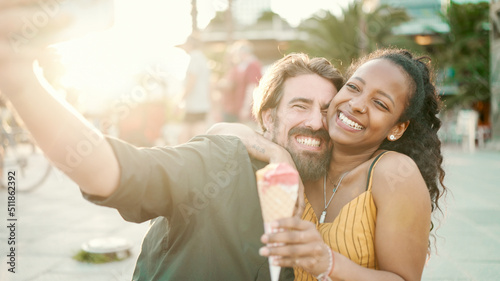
column 352, row 87
column 381, row 104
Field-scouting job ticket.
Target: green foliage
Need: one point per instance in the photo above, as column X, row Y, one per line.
column 84, row 256
column 342, row 39
column 267, row 16
column 220, row 18
column 467, row 51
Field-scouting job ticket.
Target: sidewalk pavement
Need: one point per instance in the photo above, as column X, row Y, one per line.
column 468, row 241
column 54, row 221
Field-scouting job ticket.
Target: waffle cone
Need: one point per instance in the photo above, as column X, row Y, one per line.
column 278, row 186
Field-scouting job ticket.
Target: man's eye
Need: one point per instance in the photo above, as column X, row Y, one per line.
column 299, row 106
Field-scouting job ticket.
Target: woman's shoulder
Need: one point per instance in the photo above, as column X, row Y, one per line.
column 397, row 175
column 395, row 160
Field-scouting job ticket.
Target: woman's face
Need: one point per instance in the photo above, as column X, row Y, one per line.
column 366, row 110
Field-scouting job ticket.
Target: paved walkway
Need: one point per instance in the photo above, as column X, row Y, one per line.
column 468, row 242
column 54, row 220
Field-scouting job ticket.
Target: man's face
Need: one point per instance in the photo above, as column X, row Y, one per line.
column 299, row 124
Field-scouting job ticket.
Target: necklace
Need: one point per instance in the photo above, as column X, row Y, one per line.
column 323, row 214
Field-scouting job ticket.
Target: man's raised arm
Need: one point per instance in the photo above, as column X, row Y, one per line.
column 70, row 142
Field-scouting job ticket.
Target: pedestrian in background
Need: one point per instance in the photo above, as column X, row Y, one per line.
column 238, row 85
column 196, row 95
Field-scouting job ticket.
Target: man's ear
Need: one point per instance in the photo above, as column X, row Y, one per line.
column 267, row 120
column 398, row 130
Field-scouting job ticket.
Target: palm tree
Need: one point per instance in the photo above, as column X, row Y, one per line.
column 342, row 39
column 467, row 52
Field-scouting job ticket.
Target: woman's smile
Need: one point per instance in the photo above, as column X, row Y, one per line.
column 349, row 122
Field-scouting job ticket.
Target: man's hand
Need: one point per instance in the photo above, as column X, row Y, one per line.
column 25, row 28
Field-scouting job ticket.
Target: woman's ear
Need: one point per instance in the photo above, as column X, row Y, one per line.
column 398, row 130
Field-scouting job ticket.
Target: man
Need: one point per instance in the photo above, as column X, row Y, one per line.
column 241, row 80
column 196, row 95
column 200, row 196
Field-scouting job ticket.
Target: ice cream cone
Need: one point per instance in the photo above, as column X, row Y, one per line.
column 278, row 186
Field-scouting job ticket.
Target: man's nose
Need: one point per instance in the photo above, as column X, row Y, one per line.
column 316, row 120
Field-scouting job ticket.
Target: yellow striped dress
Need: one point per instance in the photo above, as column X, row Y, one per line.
column 352, row 233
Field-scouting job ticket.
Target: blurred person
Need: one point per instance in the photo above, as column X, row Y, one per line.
column 200, row 196
column 196, row 95
column 239, row 83
column 371, row 217
column 143, row 123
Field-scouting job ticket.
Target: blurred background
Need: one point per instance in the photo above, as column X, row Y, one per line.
column 130, row 79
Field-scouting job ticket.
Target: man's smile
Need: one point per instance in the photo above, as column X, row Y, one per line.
column 308, row 141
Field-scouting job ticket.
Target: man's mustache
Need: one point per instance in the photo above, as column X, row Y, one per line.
column 321, row 133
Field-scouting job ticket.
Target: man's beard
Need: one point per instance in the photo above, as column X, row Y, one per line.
column 311, row 166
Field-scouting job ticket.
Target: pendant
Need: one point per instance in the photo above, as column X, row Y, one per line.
column 322, row 217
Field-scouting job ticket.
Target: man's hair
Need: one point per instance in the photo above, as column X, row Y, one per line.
column 270, row 90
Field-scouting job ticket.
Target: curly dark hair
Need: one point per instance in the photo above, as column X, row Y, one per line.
column 420, row 140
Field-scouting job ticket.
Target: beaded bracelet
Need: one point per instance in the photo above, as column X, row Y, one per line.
column 325, row 276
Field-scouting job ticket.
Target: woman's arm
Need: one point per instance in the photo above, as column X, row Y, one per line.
column 262, row 149
column 403, row 216
column 257, row 145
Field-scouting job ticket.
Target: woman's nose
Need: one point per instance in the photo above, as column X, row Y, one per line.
column 358, row 104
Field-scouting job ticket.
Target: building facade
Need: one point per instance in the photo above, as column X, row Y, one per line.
column 270, row 38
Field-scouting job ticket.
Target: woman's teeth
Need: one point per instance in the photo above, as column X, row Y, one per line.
column 349, row 122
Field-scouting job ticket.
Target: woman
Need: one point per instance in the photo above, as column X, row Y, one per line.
column 372, row 219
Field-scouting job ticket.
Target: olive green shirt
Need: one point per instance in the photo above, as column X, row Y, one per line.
column 203, row 202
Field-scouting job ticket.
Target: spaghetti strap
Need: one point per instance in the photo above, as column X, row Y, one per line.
column 370, row 171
